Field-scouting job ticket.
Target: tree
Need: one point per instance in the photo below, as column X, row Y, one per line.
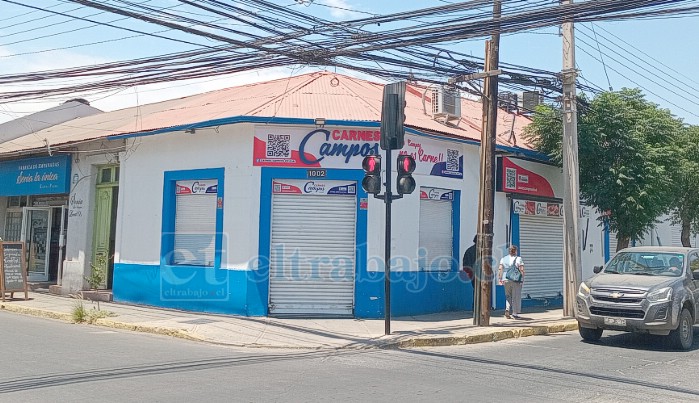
column 625, row 153
column 685, row 200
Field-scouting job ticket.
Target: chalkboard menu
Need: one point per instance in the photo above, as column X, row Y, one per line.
column 13, row 277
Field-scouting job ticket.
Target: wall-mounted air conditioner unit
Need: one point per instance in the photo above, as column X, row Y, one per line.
column 446, row 103
column 530, row 100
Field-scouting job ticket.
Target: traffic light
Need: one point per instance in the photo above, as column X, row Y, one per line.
column 372, row 176
column 406, row 166
column 393, row 116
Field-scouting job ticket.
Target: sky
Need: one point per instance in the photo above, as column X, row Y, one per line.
column 659, row 56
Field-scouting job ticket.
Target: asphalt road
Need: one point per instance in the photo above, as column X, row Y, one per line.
column 46, row 360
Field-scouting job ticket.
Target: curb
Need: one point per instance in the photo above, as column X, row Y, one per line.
column 409, row 342
column 65, row 317
column 484, row 337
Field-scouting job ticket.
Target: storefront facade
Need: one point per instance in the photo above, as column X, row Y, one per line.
column 535, row 192
column 34, row 199
column 271, row 219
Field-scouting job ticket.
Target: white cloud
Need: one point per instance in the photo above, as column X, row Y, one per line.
column 341, row 9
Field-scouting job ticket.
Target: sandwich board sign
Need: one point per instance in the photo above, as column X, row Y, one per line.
column 13, row 274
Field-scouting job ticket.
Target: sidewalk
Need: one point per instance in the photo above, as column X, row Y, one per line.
column 454, row 328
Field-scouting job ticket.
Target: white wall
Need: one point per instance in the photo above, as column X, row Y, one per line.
column 81, row 210
column 405, row 213
column 230, row 147
column 593, row 252
column 141, row 191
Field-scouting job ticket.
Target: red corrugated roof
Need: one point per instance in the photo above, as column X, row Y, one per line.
column 315, row 95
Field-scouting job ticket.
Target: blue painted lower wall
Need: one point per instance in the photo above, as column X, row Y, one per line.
column 187, row 288
column 413, row 293
column 241, row 292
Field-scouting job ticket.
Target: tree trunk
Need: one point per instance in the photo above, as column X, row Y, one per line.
column 621, row 242
column 685, row 234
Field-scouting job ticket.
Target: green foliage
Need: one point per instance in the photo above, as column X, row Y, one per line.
column 685, row 197
column 98, row 274
column 626, row 150
column 79, row 312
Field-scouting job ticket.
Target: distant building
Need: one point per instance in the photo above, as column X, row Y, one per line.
column 69, row 110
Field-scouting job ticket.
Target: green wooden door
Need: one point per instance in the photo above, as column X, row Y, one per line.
column 102, row 231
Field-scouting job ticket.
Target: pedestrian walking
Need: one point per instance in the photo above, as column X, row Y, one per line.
column 469, row 261
column 511, row 275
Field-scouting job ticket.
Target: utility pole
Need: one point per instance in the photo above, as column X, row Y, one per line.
column 486, row 202
column 572, row 265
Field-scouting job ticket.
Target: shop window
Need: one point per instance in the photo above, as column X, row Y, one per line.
column 193, row 213
column 16, row 201
column 13, row 226
column 436, row 230
column 107, row 174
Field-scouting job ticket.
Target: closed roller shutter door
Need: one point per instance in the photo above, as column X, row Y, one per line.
column 312, row 257
column 676, row 231
column 541, row 248
column 612, row 244
column 436, row 234
column 195, row 229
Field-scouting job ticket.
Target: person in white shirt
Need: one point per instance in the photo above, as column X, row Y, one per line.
column 511, row 275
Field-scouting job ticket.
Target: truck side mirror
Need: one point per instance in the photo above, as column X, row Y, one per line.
column 695, row 274
column 597, row 269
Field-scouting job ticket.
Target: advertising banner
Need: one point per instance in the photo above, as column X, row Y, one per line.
column 313, row 187
column 35, row 176
column 436, row 194
column 530, row 178
column 344, row 148
column 544, row 209
column 196, row 187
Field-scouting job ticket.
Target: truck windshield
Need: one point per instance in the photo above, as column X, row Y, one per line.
column 647, row 263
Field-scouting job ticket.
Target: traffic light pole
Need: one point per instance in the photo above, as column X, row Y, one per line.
column 388, row 199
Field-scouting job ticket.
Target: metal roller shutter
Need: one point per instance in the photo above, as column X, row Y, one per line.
column 613, row 242
column 676, row 231
column 312, row 257
column 541, row 248
column 195, row 229
column 436, row 234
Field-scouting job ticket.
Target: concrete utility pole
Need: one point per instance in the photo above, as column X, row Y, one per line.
column 572, row 265
column 486, row 203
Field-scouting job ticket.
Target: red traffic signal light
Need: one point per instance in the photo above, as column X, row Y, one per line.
column 372, row 164
column 372, row 177
column 406, row 164
column 406, row 182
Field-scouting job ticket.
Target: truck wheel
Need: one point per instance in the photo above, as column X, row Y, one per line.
column 590, row 334
column 683, row 337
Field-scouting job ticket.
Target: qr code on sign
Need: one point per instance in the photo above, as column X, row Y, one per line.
column 510, row 178
column 278, row 146
column 452, row 160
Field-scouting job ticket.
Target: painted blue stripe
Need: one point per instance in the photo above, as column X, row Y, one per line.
column 302, row 121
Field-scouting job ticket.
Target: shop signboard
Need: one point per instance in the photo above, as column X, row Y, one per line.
column 520, row 176
column 35, row 176
column 344, row 148
column 544, row 209
column 13, row 275
column 436, row 194
column 313, row 187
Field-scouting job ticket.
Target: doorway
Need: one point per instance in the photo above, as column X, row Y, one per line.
column 43, row 231
column 104, row 232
